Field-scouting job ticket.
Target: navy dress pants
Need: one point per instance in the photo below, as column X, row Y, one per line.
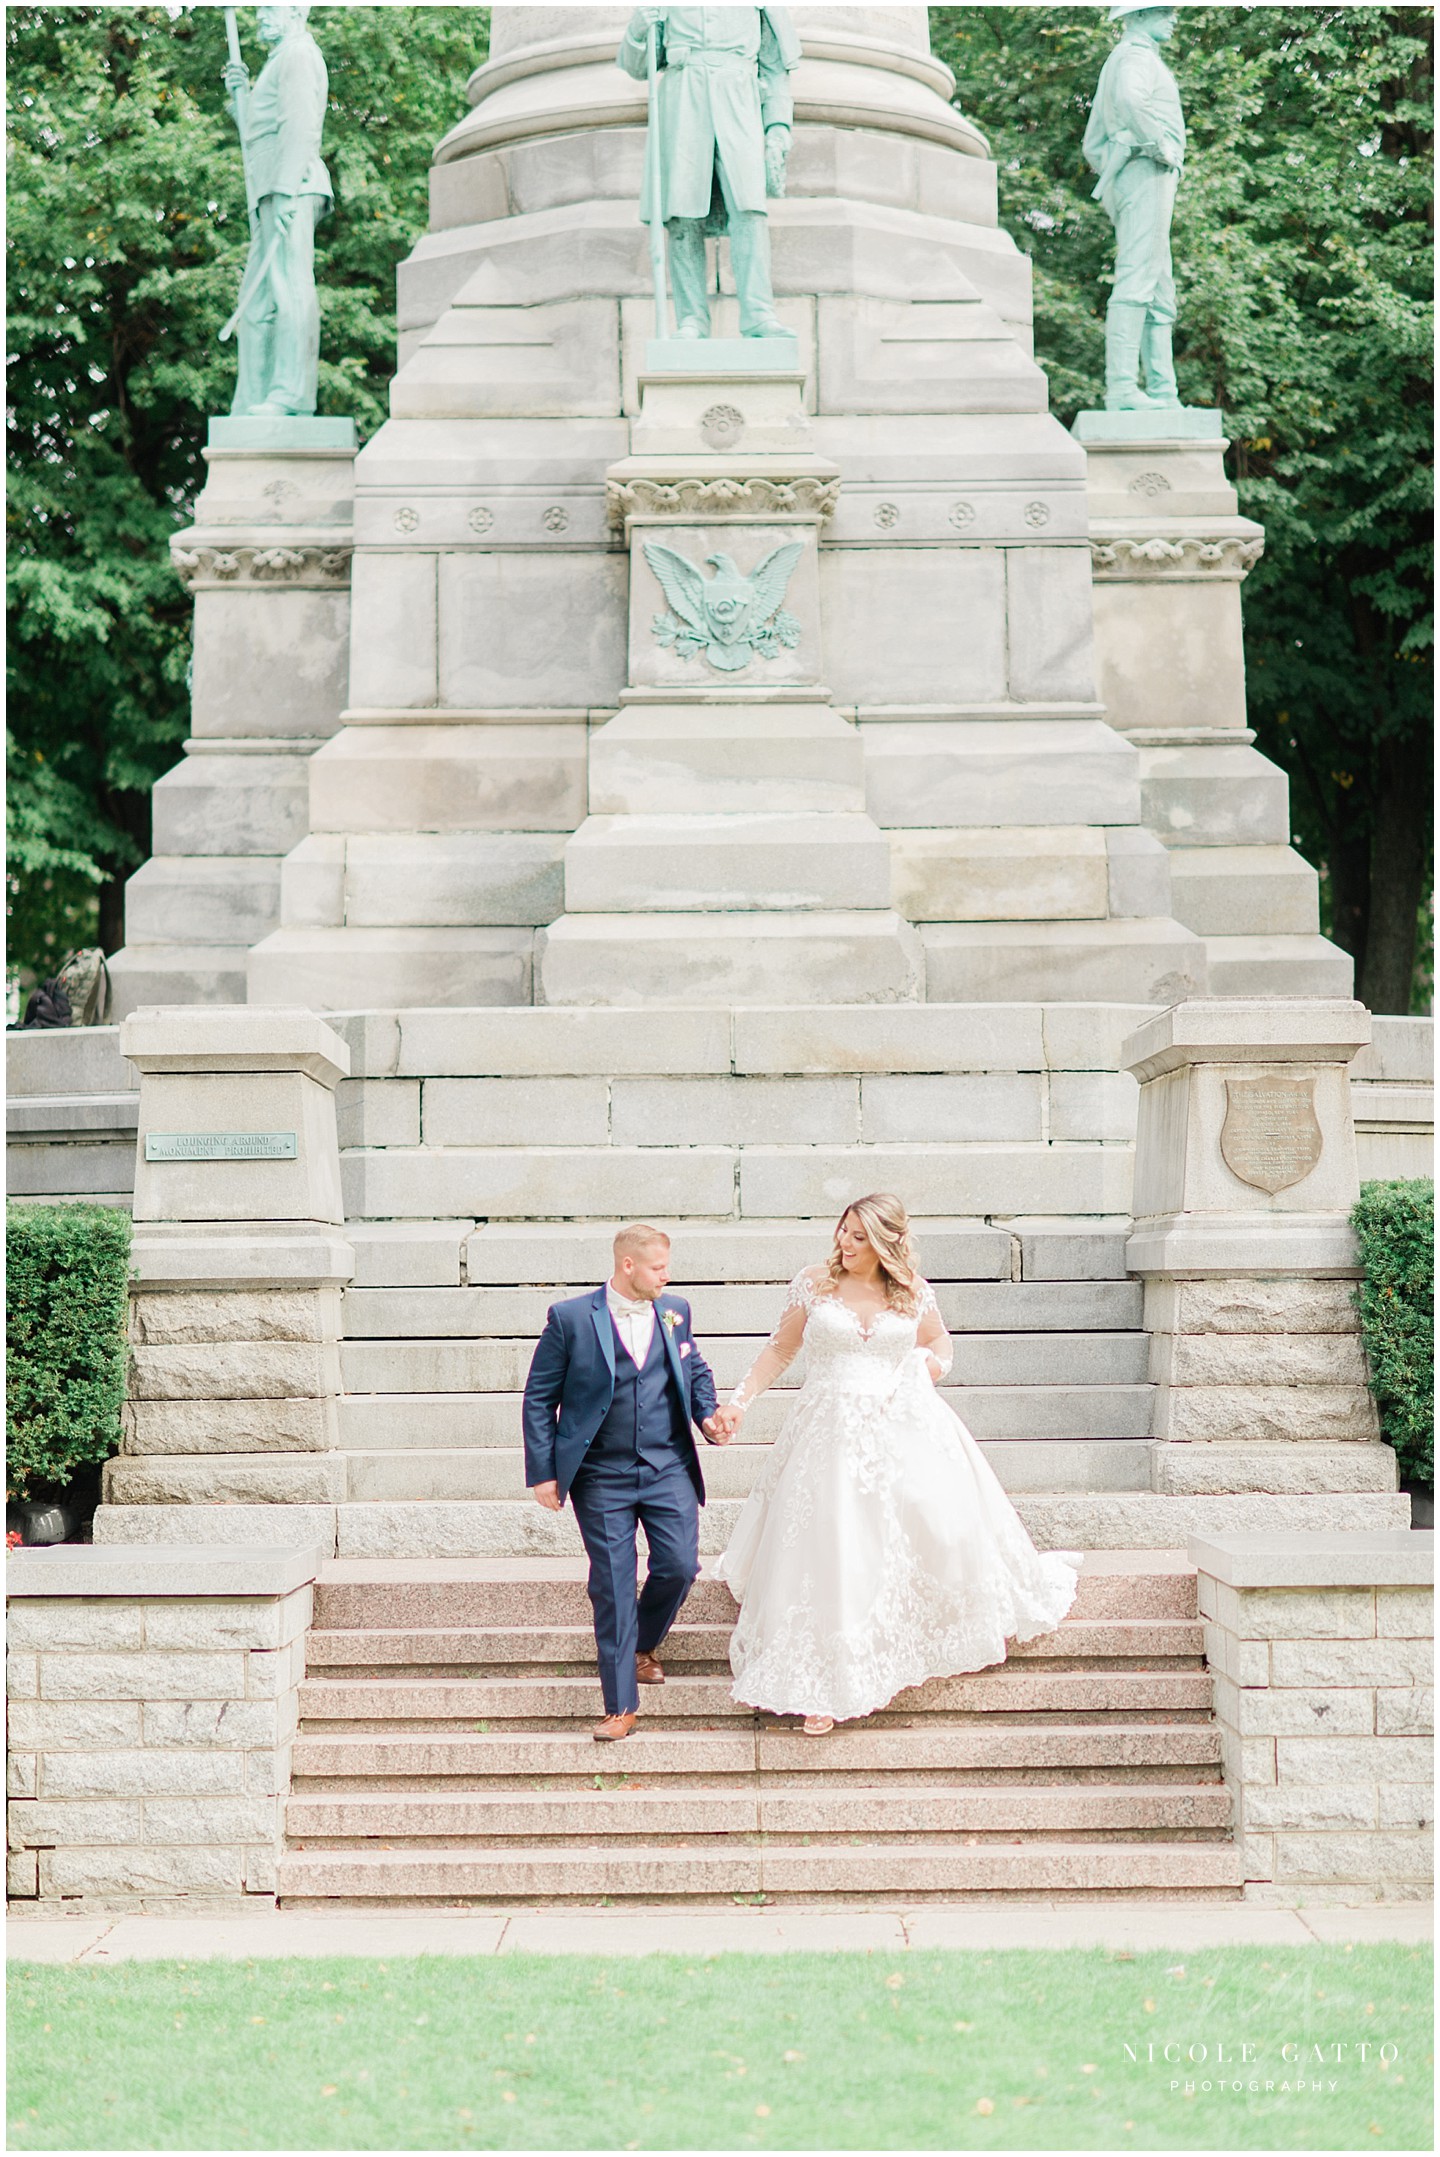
column 612, row 1499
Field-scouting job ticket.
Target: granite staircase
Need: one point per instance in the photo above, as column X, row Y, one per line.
column 444, row 1757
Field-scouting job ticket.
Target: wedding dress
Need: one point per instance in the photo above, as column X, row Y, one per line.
column 877, row 1547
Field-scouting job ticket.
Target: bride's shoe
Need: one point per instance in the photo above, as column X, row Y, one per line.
column 817, row 1725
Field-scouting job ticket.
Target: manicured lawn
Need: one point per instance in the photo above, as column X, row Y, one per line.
column 1013, row 2050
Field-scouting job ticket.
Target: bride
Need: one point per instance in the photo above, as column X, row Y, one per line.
column 877, row 1547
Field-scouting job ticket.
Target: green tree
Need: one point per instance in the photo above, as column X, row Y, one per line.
column 1304, row 262
column 127, row 232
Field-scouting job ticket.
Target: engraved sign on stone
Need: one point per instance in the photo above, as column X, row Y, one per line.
column 1271, row 1135
column 220, row 1146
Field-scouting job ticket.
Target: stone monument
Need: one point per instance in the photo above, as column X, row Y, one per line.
column 1135, row 142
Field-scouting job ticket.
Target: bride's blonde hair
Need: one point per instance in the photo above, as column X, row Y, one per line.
column 884, row 1222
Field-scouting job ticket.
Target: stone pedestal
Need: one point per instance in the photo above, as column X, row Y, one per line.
column 1244, row 1179
column 268, row 562
column 240, row 1257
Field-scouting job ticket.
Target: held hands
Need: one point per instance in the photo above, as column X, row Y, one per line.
column 722, row 1426
column 548, row 1495
column 777, row 151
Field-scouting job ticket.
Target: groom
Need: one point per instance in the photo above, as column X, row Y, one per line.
column 614, row 1386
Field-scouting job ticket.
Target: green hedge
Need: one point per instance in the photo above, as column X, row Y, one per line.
column 67, row 1284
column 1395, row 1224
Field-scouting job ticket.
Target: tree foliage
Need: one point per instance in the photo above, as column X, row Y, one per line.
column 128, row 232
column 1303, row 258
column 67, row 1286
column 1394, row 1227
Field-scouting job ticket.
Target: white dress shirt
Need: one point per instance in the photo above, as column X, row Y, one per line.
column 634, row 1322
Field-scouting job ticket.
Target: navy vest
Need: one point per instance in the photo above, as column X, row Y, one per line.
column 646, row 1420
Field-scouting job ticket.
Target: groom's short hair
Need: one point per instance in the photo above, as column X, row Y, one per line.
column 635, row 1237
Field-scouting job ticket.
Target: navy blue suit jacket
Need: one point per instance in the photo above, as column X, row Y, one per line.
column 572, row 1383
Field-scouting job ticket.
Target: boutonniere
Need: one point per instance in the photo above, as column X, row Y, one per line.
column 671, row 1320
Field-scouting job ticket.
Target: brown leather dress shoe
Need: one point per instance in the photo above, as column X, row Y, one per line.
column 648, row 1670
column 614, row 1726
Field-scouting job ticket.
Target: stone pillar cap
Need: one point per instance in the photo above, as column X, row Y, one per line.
column 1248, row 1030
column 184, row 1569
column 234, row 1037
column 1318, row 1558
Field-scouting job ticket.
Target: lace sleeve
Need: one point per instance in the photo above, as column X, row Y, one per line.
column 782, row 1347
column 930, row 1334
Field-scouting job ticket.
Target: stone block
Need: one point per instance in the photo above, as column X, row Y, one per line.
column 514, row 362
column 210, row 1727
column 250, row 1622
column 1405, row 1713
column 148, row 1773
column 514, row 1183
column 233, row 1370
column 1170, row 653
column 1285, row 1413
column 540, row 1043
column 1139, row 873
column 244, row 804
column 730, row 863
column 668, row 759
column 461, row 966
column 1405, row 1613
column 378, row 1112
column 1257, row 1359
column 1304, row 1613
column 732, row 959
column 241, row 1315
column 1049, row 623
column 1093, row 1105
column 1352, row 1662
column 22, row 1676
column 1279, row 966
column 516, row 1112
column 22, row 1880
column 267, row 1773
column 51, row 1725
column 734, row 1111
column 146, row 1675
column 1312, row 1805
column 1064, row 1250
column 1250, row 1306
column 1228, row 795
column 970, row 1107
column 1295, row 1711
column 394, row 658
column 72, row 1060
column 65, row 1624
column 407, row 1254
column 312, row 884
column 655, row 664
column 1399, row 1050
column 1279, row 1466
column 975, row 873
column 1045, row 962
column 1384, row 1761
column 500, row 879
column 184, row 1820
column 949, row 1179
column 269, row 663
column 373, row 1039
column 1353, row 1857
column 476, row 1366
column 871, row 600
column 229, row 1426
column 146, row 974
column 110, row 1872
column 49, row 1821
column 373, row 780
column 491, row 656
column 204, row 899
column 1022, row 773
column 224, row 1479
column 1244, row 891
column 895, row 355
column 1406, row 1806
column 1244, row 1662
column 21, row 1777
column 1089, row 1037
column 304, row 1188
column 867, row 1038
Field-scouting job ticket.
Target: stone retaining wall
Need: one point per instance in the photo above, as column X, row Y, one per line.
column 153, row 1700
column 1322, row 1653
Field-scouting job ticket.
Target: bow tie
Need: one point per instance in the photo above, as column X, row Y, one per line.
column 631, row 1310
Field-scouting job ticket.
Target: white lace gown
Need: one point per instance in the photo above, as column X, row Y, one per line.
column 877, row 1547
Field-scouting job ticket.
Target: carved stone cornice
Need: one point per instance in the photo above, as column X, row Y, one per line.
column 811, row 498
column 321, row 565
column 1224, row 558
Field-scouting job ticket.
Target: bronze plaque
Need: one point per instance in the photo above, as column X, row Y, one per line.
column 1271, row 1135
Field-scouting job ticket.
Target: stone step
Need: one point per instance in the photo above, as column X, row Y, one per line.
column 588, row 1817
column 622, row 960
column 1046, row 1751
column 142, row 974
column 1057, row 872
column 741, row 864
column 562, row 1648
column 236, row 804
column 719, row 1308
column 1222, row 795
column 735, row 1252
column 498, row 1472
column 384, row 879
column 916, row 1871
column 1278, row 966
column 1244, row 891
column 385, row 1422
column 1151, row 961
column 551, row 1702
column 999, row 772
column 203, row 899
column 465, row 1594
column 498, row 1365
column 665, row 759
column 449, row 778
column 331, row 969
